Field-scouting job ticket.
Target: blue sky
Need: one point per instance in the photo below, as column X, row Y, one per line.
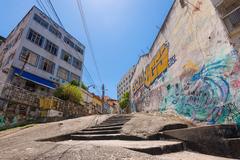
column 120, row 31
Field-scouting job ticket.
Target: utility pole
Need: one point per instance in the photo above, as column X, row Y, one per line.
column 103, row 94
column 25, row 60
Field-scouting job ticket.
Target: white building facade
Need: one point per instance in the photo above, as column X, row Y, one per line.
column 39, row 55
column 124, row 84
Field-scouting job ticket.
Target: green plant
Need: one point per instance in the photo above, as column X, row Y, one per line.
column 75, row 83
column 83, row 86
column 124, row 101
column 69, row 92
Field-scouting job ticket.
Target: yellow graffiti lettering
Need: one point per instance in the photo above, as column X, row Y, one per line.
column 157, row 66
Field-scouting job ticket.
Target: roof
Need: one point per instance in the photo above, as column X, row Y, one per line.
column 58, row 25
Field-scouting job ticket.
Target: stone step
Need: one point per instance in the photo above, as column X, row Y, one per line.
column 117, row 119
column 114, row 121
column 109, row 125
column 104, row 137
column 98, row 132
column 233, row 145
column 160, row 148
column 209, row 139
column 188, row 155
column 103, row 128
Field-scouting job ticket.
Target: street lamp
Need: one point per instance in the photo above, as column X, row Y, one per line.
column 92, row 85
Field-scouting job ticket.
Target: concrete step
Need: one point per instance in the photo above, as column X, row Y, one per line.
column 173, row 126
column 149, row 147
column 208, row 139
column 104, row 137
column 98, row 132
column 187, row 155
column 103, row 128
column 109, row 125
column 233, row 145
column 115, row 121
column 161, row 148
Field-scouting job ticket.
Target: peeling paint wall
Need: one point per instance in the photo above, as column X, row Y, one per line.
column 201, row 80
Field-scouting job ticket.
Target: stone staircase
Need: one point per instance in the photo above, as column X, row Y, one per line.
column 109, row 129
column 223, row 140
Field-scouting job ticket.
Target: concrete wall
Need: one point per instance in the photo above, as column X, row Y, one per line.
column 200, row 80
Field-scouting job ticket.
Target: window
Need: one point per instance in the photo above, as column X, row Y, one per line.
column 51, row 47
column 29, row 56
column 230, row 12
column 40, row 20
column 55, row 31
column 78, row 49
column 47, row 65
column 69, row 42
column 35, row 37
column 75, row 77
column 63, row 73
column 66, row 57
column 77, row 63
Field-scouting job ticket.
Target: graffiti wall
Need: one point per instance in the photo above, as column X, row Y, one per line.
column 191, row 68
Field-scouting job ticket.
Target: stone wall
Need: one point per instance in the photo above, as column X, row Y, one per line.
column 19, row 106
column 192, row 68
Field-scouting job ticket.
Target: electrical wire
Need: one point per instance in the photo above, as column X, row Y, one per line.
column 55, row 13
column 41, row 5
column 80, row 8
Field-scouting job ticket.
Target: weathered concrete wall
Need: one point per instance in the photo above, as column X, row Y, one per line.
column 19, row 106
column 199, row 78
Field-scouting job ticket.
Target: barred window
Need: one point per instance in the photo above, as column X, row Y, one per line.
column 47, row 65
column 66, row 57
column 63, row 73
column 51, row 47
column 40, row 20
column 69, row 42
column 78, row 49
column 55, row 31
column 29, row 56
column 77, row 63
column 35, row 37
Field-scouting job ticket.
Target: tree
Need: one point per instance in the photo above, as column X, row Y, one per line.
column 125, row 100
column 69, row 92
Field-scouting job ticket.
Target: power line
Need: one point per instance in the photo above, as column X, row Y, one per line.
column 40, row 3
column 42, row 6
column 91, row 79
column 55, row 13
column 80, row 8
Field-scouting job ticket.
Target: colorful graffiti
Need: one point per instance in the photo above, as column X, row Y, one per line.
column 158, row 65
column 206, row 94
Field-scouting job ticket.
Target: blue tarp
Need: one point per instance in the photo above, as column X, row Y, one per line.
column 35, row 78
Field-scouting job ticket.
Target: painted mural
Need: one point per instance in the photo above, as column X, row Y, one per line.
column 146, row 94
column 209, row 93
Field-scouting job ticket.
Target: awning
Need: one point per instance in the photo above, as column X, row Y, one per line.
column 34, row 78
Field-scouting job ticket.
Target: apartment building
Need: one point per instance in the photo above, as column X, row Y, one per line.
column 39, row 55
column 124, row 84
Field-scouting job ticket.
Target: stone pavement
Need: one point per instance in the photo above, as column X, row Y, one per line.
column 57, row 140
